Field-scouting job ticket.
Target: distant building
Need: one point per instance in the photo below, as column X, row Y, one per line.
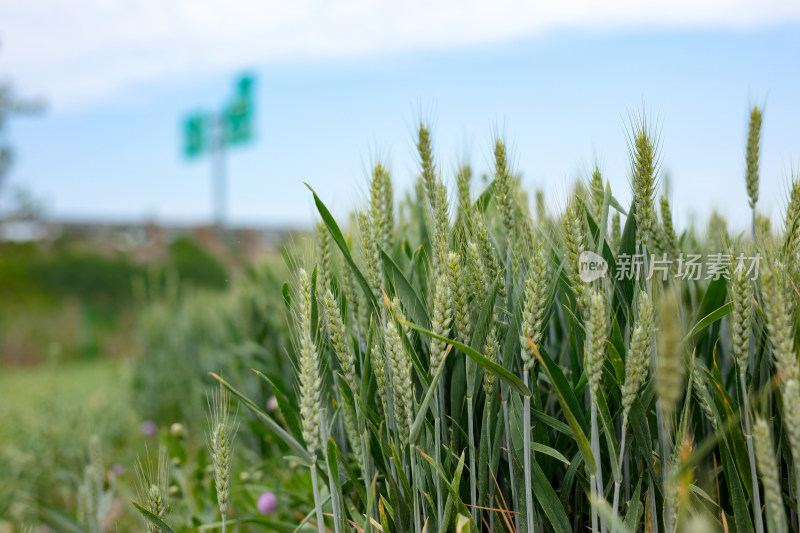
column 147, row 241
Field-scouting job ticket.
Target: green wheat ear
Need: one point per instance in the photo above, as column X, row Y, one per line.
column 791, row 250
column 644, row 161
column 534, row 306
column 671, row 367
column 598, row 193
column 220, row 446
column 323, row 257
column 717, row 231
column 541, row 212
column 753, row 146
column 740, row 290
column 351, row 430
column 596, row 331
column 763, row 228
column 382, row 206
column 669, row 240
column 701, row 395
column 153, row 483
column 616, row 231
column 442, row 316
column 458, row 290
column 505, row 189
column 464, row 184
column 492, row 349
column 639, row 350
column 574, row 245
column 400, row 368
column 491, row 264
column 436, row 194
column 355, row 318
column 379, row 370
column 767, row 467
column 426, row 161
column 371, row 242
column 792, row 220
column 477, row 278
column 308, row 370
column 778, row 322
column 340, row 339
column 791, row 407
column 90, row 490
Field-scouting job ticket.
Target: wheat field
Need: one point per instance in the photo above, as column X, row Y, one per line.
column 475, row 363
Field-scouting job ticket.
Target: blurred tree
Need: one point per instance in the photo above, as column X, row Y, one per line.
column 25, row 205
column 194, row 264
column 10, row 105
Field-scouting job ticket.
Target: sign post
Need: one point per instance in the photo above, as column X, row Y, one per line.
column 212, row 133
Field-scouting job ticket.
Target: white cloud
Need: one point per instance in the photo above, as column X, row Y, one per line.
column 75, row 52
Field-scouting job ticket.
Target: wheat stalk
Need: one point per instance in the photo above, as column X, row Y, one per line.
column 436, row 194
column 402, row 387
column 778, row 322
column 457, row 278
column 490, row 264
column 505, row 189
column 324, row 260
column 598, row 193
column 574, row 245
column 791, row 420
column 644, row 160
column 442, row 315
column 741, row 296
column 340, row 339
column 541, row 212
column 596, row 332
column 310, row 387
column 220, row 447
column 463, row 187
column 768, row 469
column 534, row 306
column 670, row 373
column 671, row 366
column 381, row 209
column 153, row 485
column 669, row 241
column 753, row 147
column 636, row 365
column 371, row 241
column 616, row 231
column 308, row 371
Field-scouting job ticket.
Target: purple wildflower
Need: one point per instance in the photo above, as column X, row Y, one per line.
column 148, row 428
column 272, row 403
column 267, row 503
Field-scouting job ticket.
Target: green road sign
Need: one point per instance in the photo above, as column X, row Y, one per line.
column 236, row 123
column 213, row 132
column 238, row 117
column 196, row 131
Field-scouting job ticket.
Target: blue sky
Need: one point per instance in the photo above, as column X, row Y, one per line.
column 560, row 95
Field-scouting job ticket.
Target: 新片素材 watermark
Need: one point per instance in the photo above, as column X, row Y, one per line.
column 682, row 267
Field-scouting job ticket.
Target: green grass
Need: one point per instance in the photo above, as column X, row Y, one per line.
column 75, row 300
column 47, row 415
